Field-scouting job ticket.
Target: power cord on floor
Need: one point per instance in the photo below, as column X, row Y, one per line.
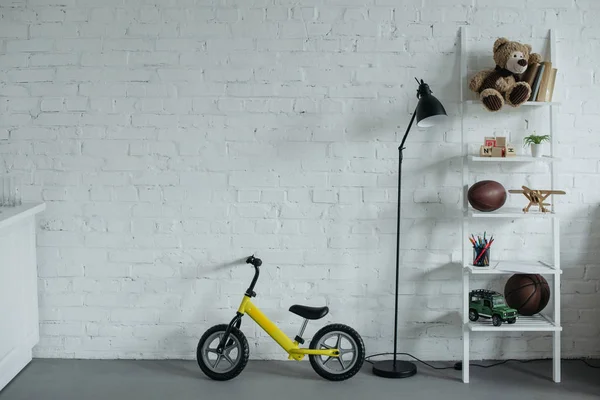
column 587, row 363
column 458, row 365
column 405, row 354
column 505, row 361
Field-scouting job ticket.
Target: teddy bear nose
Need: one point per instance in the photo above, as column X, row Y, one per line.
column 522, row 62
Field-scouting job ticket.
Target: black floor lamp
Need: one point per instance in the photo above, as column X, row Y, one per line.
column 429, row 112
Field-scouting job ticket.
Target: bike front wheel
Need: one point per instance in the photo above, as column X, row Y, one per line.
column 350, row 345
column 231, row 361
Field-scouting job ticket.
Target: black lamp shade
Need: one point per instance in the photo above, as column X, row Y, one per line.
column 430, row 111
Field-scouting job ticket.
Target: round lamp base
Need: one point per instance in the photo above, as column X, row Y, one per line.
column 399, row 369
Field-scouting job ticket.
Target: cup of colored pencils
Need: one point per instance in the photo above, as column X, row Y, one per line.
column 481, row 250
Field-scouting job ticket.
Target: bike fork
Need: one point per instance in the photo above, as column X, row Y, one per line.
column 235, row 322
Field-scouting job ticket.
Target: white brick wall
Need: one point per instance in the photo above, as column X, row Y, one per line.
column 171, row 139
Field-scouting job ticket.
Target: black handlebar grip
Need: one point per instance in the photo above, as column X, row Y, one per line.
column 257, row 262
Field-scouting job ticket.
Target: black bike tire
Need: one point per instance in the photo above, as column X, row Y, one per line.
column 243, row 357
column 359, row 343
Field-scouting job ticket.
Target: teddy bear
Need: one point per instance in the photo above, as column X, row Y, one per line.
column 503, row 83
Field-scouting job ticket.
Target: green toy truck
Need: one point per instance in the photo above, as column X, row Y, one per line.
column 489, row 304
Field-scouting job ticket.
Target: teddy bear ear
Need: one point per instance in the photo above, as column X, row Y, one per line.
column 529, row 48
column 535, row 58
column 499, row 42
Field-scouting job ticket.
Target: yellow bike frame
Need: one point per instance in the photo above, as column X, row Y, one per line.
column 289, row 345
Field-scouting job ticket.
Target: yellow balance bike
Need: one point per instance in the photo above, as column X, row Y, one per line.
column 336, row 352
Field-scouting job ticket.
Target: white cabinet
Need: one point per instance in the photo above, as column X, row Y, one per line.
column 19, row 326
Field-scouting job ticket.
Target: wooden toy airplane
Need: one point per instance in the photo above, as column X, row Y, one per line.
column 537, row 197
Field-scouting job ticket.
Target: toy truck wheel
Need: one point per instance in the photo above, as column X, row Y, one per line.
column 512, row 320
column 473, row 315
column 496, row 320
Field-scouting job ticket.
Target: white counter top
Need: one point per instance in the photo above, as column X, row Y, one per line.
column 12, row 215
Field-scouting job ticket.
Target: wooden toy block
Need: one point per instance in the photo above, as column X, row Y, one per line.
column 490, row 141
column 500, row 141
column 485, row 151
column 510, row 151
column 496, row 151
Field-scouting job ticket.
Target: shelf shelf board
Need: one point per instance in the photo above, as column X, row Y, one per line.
column 508, row 212
column 514, row 267
column 534, row 323
column 515, row 159
column 526, row 104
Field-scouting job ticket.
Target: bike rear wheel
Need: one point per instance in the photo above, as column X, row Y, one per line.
column 231, row 362
column 350, row 345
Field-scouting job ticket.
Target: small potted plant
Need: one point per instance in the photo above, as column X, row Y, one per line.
column 536, row 142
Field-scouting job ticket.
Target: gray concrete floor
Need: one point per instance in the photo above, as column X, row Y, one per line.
column 182, row 380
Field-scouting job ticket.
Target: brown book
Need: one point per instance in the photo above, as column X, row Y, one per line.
column 529, row 75
column 551, row 83
column 544, row 82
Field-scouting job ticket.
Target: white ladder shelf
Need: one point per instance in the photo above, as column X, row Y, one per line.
column 539, row 322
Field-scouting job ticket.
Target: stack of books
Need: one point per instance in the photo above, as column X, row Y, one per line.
column 541, row 77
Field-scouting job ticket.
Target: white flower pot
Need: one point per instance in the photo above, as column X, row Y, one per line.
column 537, row 149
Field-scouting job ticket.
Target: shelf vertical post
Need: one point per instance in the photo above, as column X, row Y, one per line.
column 553, row 145
column 465, row 325
column 465, row 178
column 556, row 353
column 463, row 142
column 553, row 115
column 556, row 348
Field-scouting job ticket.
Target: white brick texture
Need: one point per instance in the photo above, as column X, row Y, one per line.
column 171, row 139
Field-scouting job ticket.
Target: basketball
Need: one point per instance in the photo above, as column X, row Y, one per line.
column 528, row 293
column 486, row 196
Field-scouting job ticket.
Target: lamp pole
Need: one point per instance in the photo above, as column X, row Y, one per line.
column 400, row 158
column 427, row 107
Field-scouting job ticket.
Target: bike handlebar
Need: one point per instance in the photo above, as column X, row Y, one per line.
column 256, row 262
